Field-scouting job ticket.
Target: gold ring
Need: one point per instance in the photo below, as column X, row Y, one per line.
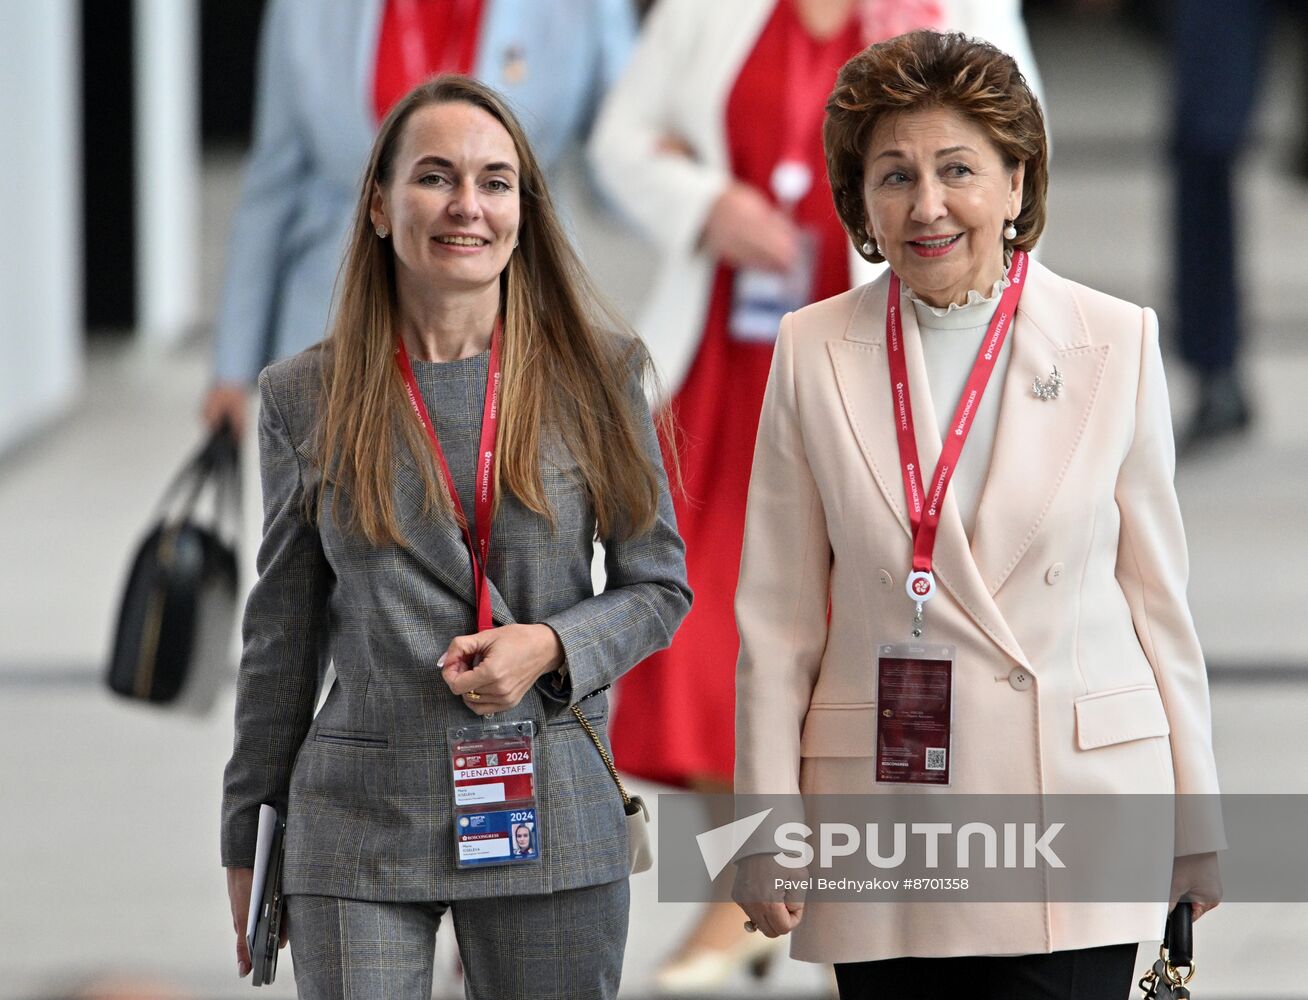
column 751, row 926
column 474, row 696
column 1174, row 973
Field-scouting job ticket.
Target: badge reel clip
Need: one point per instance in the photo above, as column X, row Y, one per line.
column 493, row 772
column 921, row 587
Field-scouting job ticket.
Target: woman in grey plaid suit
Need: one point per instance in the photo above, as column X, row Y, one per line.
column 457, row 281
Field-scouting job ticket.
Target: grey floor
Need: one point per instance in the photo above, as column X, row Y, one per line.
column 108, row 813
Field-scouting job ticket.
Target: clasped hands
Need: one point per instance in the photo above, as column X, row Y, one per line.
column 500, row 665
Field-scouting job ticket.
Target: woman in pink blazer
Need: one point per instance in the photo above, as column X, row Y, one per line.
column 1049, row 552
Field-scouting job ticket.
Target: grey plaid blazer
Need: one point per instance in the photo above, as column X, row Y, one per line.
column 366, row 783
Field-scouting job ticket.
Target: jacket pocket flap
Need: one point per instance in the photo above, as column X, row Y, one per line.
column 353, row 738
column 839, row 731
column 1120, row 715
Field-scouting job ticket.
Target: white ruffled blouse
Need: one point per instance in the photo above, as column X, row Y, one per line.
column 951, row 338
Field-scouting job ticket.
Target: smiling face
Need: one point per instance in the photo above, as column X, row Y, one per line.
column 937, row 193
column 451, row 200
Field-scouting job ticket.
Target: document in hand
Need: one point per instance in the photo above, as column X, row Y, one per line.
column 264, row 923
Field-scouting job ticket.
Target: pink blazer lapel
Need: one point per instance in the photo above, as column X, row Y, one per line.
column 861, row 373
column 863, row 381
column 1037, row 439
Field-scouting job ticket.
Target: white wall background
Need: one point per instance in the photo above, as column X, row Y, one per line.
column 40, row 211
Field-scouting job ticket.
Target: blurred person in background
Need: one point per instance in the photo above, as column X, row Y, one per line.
column 1055, row 566
column 1220, row 53
column 472, row 379
column 711, row 142
column 328, row 72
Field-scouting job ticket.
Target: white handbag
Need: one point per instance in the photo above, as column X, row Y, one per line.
column 640, row 852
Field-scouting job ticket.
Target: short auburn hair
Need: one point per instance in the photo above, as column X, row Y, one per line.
column 922, row 71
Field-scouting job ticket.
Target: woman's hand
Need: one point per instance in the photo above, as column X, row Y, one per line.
column 239, row 881
column 1195, row 876
column 227, row 402
column 492, row 670
column 773, row 912
column 744, row 229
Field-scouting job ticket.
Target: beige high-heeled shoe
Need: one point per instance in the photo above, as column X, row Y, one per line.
column 705, row 969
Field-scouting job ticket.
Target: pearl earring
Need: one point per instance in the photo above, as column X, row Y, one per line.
column 1010, row 231
column 869, row 248
column 383, row 232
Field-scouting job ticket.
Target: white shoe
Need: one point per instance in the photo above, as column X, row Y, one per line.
column 705, row 969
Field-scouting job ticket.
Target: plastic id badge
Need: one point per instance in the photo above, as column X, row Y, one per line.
column 915, row 713
column 496, row 821
column 493, row 763
column 496, row 837
column 760, row 298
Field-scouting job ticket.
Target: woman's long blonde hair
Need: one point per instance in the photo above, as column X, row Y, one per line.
column 569, row 364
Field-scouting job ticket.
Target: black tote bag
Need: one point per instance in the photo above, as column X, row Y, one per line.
column 172, row 644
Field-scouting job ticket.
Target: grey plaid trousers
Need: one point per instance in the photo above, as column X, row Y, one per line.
column 566, row 945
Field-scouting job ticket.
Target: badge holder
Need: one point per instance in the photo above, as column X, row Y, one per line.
column 760, row 298
column 496, row 820
column 915, row 713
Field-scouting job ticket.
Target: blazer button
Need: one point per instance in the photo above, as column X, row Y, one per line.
column 885, row 579
column 1055, row 574
column 1019, row 679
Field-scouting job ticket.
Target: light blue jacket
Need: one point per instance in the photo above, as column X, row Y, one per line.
column 314, row 126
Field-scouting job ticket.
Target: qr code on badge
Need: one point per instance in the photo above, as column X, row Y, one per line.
column 935, row 758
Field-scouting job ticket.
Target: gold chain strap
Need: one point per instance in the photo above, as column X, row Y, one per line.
column 604, row 754
column 1149, row 983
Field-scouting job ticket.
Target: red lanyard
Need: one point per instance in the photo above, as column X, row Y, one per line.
column 924, row 508
column 490, row 419
column 808, row 81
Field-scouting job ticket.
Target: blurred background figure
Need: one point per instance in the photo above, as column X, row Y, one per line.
column 712, row 143
column 1219, row 60
column 327, row 74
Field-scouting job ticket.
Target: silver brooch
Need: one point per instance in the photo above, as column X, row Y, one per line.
column 1047, row 390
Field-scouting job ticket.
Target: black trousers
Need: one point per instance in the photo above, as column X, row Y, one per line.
column 1219, row 58
column 1085, row 974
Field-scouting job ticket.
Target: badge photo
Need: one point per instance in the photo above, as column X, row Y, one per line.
column 496, row 837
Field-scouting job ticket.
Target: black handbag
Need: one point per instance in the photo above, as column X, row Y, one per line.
column 178, row 612
column 1166, row 980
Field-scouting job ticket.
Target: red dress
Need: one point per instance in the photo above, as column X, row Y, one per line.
column 675, row 715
